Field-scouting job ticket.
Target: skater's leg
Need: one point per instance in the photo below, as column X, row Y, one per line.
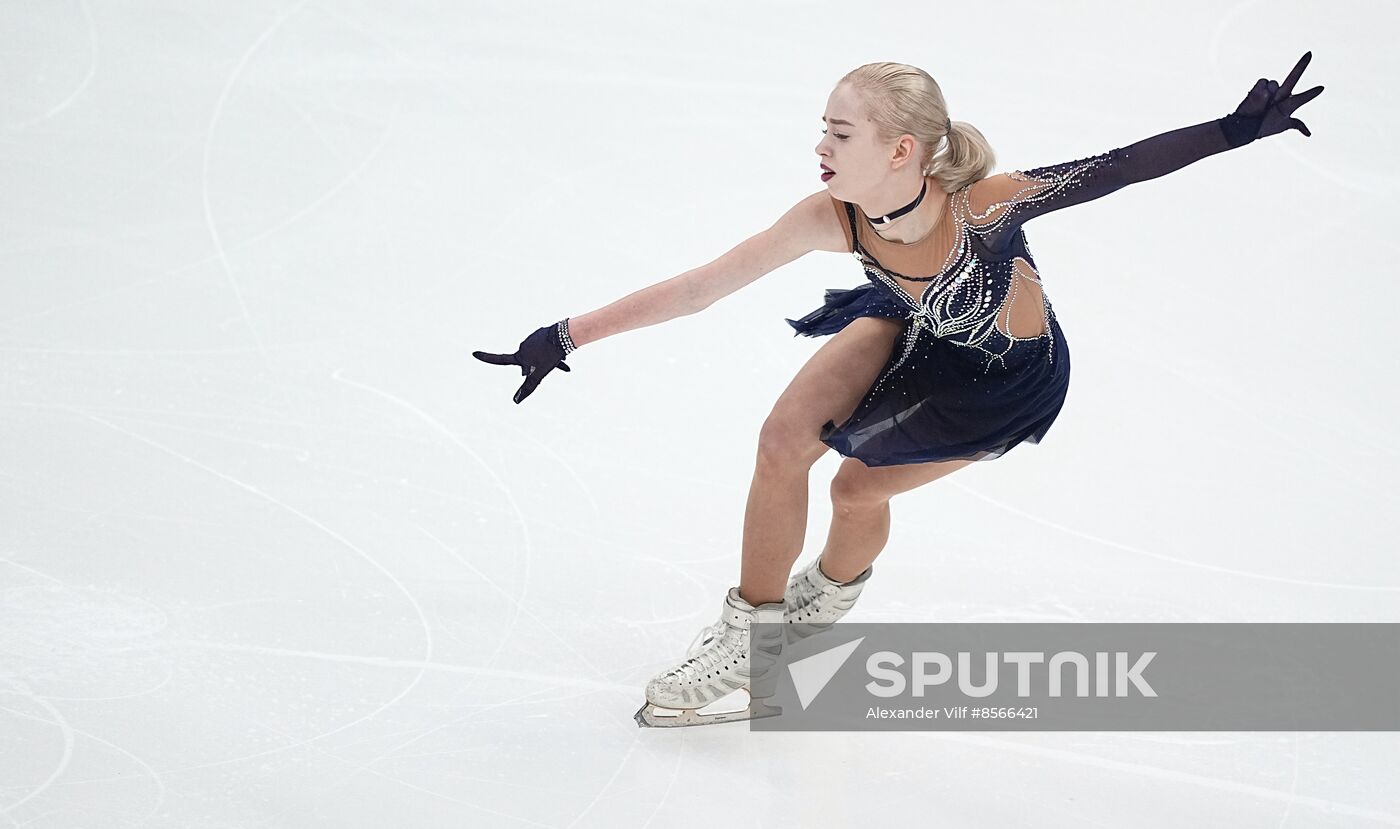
column 860, row 510
column 828, row 387
column 857, row 535
column 775, row 522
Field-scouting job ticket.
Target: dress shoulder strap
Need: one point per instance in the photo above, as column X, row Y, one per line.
column 851, row 217
column 856, row 247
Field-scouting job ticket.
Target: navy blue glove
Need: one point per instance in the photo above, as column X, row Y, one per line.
column 1269, row 107
column 538, row 355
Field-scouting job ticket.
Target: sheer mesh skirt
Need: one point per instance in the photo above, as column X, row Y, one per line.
column 943, row 401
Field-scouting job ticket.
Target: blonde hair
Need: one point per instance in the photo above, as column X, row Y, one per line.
column 903, row 99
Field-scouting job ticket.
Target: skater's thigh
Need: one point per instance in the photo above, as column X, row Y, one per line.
column 858, row 485
column 833, row 381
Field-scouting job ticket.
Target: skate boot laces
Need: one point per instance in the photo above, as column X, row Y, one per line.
column 702, row 639
column 717, row 645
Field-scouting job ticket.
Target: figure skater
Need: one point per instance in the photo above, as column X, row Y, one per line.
column 949, row 353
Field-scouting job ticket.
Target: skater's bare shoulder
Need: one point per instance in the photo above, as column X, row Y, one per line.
column 807, row 226
column 814, row 224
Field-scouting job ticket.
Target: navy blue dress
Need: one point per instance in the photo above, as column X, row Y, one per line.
column 957, row 385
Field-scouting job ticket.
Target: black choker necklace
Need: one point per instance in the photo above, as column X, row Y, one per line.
column 889, row 217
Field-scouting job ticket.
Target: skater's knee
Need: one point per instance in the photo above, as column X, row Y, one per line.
column 785, row 444
column 854, row 492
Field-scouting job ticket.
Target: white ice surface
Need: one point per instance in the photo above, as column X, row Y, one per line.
column 276, row 551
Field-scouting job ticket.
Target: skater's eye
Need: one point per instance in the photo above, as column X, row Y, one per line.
column 838, row 135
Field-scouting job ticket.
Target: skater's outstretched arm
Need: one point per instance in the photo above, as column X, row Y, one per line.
column 797, row 232
column 789, row 238
column 1009, row 200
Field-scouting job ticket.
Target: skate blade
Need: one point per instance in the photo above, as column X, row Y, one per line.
column 735, row 707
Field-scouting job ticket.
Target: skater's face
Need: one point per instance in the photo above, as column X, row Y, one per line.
column 850, row 147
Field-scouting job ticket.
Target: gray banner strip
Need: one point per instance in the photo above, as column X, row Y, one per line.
column 1204, row 676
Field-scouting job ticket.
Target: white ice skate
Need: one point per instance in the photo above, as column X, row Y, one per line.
column 713, row 684
column 815, row 602
column 812, row 604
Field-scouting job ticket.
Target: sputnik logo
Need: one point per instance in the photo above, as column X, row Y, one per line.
column 811, row 674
